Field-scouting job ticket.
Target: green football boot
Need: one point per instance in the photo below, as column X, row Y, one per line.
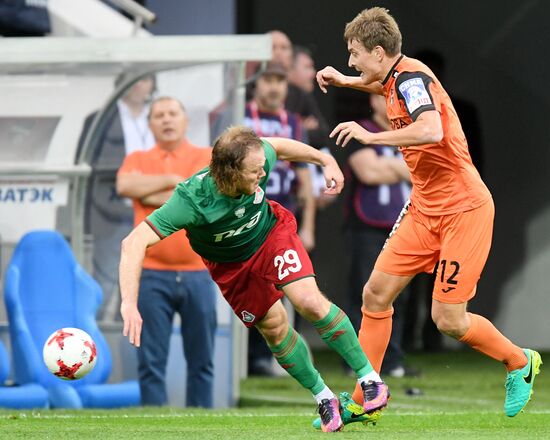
column 351, row 412
column 519, row 384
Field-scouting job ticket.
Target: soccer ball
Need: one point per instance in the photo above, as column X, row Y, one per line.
column 69, row 353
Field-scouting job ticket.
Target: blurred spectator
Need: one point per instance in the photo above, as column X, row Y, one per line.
column 288, row 184
column 174, row 278
column 281, row 49
column 302, row 73
column 109, row 218
column 24, row 18
column 379, row 184
column 298, row 100
column 298, row 63
column 300, row 69
column 267, row 116
column 301, row 78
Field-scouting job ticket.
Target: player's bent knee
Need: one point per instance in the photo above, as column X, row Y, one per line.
column 449, row 326
column 450, row 319
column 274, row 334
column 313, row 306
column 374, row 299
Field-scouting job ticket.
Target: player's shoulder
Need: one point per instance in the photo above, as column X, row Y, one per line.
column 270, row 152
column 196, row 187
column 197, row 180
column 410, row 68
column 412, row 64
column 268, row 146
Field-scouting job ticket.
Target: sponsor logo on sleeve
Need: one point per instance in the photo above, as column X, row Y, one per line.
column 415, row 94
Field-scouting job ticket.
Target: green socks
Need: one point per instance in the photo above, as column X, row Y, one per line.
column 338, row 333
column 293, row 356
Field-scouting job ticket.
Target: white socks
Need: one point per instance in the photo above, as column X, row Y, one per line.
column 373, row 375
column 325, row 393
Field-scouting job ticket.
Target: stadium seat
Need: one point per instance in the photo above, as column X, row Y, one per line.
column 46, row 289
column 26, row 396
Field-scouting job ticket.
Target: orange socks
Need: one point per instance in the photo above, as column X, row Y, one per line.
column 374, row 337
column 485, row 338
column 482, row 336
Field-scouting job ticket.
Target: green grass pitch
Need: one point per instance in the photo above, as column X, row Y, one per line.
column 462, row 399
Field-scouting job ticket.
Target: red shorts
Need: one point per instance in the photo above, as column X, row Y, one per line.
column 251, row 287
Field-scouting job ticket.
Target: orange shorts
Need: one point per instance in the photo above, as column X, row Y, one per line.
column 455, row 246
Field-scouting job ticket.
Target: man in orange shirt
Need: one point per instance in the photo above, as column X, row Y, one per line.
column 174, row 277
column 448, row 222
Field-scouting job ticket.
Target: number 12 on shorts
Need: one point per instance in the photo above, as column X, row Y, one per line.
column 451, row 266
column 287, row 263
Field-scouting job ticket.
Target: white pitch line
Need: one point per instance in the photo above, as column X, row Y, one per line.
column 419, row 399
column 389, row 413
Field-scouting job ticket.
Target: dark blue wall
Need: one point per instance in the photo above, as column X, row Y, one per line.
column 193, row 17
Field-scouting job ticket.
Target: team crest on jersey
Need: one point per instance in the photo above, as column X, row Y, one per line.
column 239, row 212
column 415, row 93
column 247, row 316
column 258, row 195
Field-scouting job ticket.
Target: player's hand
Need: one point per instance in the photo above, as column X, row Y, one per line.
column 346, row 131
column 132, row 322
column 334, row 177
column 329, row 76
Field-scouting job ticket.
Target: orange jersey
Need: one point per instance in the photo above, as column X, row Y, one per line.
column 444, row 178
column 174, row 252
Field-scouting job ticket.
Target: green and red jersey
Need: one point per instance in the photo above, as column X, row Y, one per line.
column 220, row 228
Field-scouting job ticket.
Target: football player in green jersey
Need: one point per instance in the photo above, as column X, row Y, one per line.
column 254, row 254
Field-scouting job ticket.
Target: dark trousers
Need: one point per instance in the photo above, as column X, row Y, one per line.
column 419, row 317
column 364, row 247
column 193, row 295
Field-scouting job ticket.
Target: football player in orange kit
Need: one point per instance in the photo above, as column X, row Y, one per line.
column 446, row 227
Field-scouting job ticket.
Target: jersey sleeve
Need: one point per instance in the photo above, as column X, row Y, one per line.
column 413, row 88
column 177, row 213
column 270, row 156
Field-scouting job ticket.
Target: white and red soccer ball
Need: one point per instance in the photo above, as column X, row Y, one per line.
column 70, row 353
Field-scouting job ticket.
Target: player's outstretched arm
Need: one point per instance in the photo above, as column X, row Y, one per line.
column 296, row 151
column 131, row 258
column 329, row 76
column 427, row 129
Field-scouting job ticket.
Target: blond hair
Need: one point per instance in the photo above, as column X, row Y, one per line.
column 375, row 27
column 229, row 151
